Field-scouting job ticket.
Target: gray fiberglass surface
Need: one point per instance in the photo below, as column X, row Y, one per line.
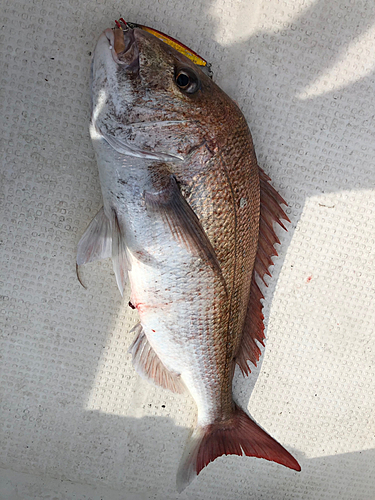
column 77, row 422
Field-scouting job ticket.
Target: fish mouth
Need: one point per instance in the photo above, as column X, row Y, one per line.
column 123, row 47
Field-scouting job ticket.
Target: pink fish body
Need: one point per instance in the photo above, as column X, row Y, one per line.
column 188, row 219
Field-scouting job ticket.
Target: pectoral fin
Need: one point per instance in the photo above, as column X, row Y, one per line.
column 148, row 365
column 96, row 242
column 183, row 223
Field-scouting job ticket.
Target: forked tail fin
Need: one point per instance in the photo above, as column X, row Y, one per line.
column 236, row 436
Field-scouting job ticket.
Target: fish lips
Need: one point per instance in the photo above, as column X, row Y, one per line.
column 124, row 49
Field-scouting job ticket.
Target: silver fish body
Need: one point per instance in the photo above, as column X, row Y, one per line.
column 183, row 221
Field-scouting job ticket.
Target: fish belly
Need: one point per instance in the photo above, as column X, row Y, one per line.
column 176, row 299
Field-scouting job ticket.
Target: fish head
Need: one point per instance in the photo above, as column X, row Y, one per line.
column 150, row 100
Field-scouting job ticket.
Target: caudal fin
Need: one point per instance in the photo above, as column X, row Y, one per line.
column 236, row 436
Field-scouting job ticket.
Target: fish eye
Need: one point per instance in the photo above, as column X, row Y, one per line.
column 187, row 80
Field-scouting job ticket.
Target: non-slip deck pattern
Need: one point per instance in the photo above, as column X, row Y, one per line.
column 77, row 422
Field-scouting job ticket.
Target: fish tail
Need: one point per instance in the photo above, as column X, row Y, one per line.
column 236, row 436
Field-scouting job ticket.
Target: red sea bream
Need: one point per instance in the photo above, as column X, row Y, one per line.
column 188, row 219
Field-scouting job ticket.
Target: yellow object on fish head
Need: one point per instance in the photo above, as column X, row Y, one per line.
column 172, row 42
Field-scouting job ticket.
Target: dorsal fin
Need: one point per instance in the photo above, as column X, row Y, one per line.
column 270, row 212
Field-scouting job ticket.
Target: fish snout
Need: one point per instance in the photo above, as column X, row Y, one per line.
column 123, row 47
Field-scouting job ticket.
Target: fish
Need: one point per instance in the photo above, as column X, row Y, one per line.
column 188, row 220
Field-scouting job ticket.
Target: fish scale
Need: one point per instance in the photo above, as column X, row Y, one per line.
column 188, row 220
column 234, row 239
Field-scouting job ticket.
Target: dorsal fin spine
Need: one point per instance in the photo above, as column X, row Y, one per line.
column 270, row 212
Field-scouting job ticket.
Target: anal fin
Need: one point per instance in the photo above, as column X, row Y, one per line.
column 149, row 366
column 270, row 212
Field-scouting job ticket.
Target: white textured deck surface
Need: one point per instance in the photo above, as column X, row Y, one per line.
column 76, row 422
